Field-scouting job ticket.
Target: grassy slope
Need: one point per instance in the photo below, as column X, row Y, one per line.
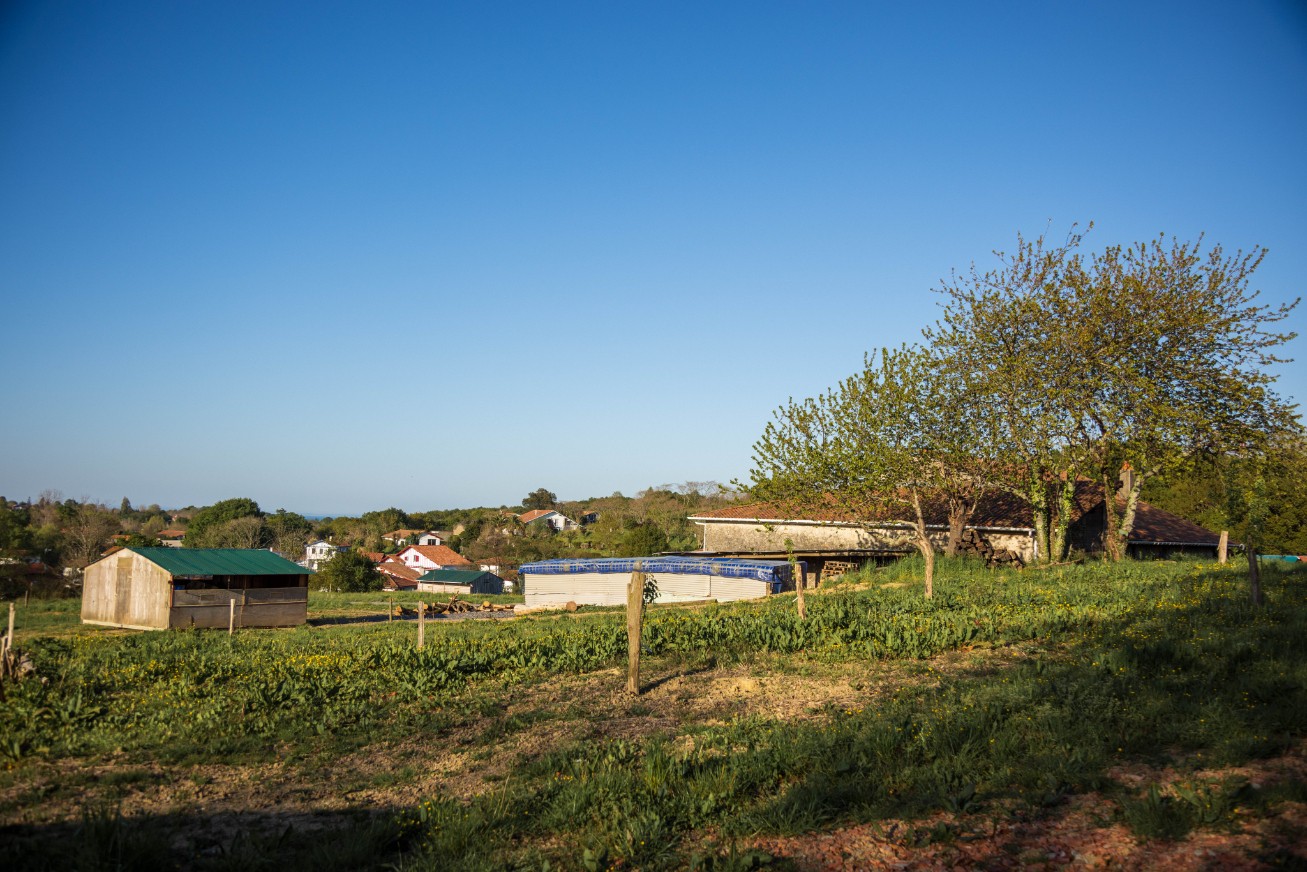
column 1065, row 674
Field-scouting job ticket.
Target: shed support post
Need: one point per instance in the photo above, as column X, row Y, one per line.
column 1223, row 548
column 231, row 616
column 634, row 626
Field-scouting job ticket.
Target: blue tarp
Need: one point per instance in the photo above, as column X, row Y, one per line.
column 773, row 571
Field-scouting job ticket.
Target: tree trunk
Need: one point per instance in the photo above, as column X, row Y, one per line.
column 1111, row 539
column 1038, row 498
column 1254, row 577
column 957, row 522
column 1057, row 539
column 924, row 545
column 1127, row 525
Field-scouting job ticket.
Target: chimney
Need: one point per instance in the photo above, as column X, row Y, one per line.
column 1127, row 481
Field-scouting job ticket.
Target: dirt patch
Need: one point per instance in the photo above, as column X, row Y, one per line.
column 1085, row 832
column 1079, row 836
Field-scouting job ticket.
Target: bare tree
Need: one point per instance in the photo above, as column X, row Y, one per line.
column 87, row 533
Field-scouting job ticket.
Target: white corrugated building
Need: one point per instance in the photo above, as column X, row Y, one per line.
column 604, row 581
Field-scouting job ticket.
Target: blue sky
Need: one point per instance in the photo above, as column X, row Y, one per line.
column 337, row 257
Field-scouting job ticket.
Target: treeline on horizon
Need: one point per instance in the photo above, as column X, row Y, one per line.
column 52, row 532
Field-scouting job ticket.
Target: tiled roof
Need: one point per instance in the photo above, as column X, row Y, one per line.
column 171, row 534
column 402, row 534
column 1158, row 525
column 441, row 554
column 374, row 556
column 397, row 570
column 997, row 510
column 534, row 515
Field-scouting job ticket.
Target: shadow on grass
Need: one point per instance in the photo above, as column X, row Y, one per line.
column 106, row 840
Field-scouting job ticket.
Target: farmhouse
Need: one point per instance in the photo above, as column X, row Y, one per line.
column 1002, row 520
column 603, row 581
column 425, row 557
column 554, row 519
column 173, row 588
column 467, row 581
column 319, row 552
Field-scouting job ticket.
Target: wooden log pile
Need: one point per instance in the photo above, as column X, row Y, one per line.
column 455, row 606
column 973, row 542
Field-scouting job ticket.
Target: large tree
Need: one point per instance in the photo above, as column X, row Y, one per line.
column 540, row 498
column 1137, row 359
column 87, row 532
column 204, row 528
column 877, row 450
column 348, row 571
column 289, row 532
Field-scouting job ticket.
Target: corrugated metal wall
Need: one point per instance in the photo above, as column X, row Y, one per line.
column 609, row 588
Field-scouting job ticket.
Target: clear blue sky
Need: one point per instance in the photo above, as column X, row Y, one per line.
column 337, row 257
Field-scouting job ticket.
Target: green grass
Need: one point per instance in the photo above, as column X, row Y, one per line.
column 1150, row 663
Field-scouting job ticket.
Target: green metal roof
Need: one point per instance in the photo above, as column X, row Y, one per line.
column 220, row 561
column 454, row 576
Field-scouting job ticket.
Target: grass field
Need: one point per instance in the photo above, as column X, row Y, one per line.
column 1143, row 713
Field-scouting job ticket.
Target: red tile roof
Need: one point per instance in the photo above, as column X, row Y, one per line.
column 398, row 571
column 534, row 515
column 171, row 534
column 441, row 554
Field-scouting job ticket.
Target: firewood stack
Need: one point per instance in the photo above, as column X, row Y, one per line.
column 455, row 606
column 973, row 542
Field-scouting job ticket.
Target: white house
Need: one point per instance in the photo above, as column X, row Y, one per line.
column 318, row 553
column 548, row 516
column 428, row 557
column 417, row 537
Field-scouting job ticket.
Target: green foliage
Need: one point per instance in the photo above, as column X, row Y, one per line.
column 540, row 498
column 289, row 533
column 1261, row 494
column 15, row 535
column 199, row 532
column 1143, row 355
column 641, row 540
column 348, row 571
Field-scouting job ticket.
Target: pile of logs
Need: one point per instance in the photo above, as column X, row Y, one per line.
column 455, row 606
column 975, row 543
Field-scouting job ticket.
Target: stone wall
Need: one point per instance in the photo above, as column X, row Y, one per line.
column 750, row 536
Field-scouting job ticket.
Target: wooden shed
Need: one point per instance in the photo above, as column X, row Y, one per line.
column 469, row 581
column 176, row 588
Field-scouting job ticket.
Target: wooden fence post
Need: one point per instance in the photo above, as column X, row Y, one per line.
column 634, row 625
column 1223, row 548
column 422, row 624
column 9, row 636
column 390, row 611
column 231, row 616
column 1254, row 576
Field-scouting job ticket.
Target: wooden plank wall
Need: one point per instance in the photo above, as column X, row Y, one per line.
column 126, row 590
